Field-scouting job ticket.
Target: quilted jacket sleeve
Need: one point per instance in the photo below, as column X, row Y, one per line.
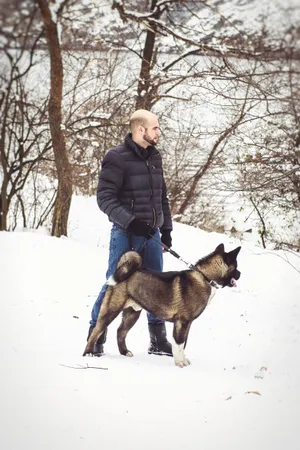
column 109, row 187
column 167, row 225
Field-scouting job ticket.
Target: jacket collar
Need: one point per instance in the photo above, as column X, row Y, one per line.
column 140, row 151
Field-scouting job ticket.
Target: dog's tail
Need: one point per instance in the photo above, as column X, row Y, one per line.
column 127, row 265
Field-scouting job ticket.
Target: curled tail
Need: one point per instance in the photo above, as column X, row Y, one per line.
column 127, row 265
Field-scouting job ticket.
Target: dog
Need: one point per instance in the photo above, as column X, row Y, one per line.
column 179, row 296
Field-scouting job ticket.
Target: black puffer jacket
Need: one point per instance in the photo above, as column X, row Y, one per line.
column 132, row 186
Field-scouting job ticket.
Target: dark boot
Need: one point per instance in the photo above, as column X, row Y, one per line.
column 159, row 345
column 98, row 347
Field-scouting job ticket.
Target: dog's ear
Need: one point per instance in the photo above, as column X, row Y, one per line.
column 233, row 254
column 220, row 249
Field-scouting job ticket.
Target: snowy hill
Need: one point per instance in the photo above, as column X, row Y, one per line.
column 241, row 391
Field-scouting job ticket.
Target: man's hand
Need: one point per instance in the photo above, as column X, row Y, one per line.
column 140, row 228
column 166, row 238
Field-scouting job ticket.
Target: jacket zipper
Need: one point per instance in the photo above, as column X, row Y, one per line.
column 151, row 193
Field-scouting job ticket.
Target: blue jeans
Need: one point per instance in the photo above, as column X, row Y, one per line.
column 120, row 242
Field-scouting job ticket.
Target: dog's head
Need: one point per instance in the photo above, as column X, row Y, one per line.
column 231, row 274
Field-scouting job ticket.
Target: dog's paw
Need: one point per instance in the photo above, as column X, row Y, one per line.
column 129, row 353
column 182, row 362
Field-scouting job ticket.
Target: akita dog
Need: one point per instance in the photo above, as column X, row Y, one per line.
column 179, row 297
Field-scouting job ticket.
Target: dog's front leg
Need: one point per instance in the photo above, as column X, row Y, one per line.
column 180, row 334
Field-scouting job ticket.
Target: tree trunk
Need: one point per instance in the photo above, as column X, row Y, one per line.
column 145, row 89
column 3, row 209
column 4, row 165
column 63, row 167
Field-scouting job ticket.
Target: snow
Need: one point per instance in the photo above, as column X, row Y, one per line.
column 241, row 391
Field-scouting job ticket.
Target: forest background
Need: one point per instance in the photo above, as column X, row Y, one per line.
column 222, row 76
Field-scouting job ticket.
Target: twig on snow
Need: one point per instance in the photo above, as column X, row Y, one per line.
column 80, row 366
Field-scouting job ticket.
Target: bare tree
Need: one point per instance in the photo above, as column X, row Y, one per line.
column 64, row 172
column 228, row 106
column 266, row 151
column 162, row 80
column 24, row 141
column 97, row 104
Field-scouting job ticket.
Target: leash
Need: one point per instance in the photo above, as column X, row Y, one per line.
column 189, row 265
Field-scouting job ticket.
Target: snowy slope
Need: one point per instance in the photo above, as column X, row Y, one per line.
column 241, row 391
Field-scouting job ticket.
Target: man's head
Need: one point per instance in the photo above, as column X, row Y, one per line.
column 144, row 128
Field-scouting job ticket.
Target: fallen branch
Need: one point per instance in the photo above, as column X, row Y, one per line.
column 286, row 259
column 80, row 366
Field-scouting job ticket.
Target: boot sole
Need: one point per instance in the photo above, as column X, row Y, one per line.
column 160, row 353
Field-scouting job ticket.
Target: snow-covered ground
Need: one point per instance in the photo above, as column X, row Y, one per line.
column 241, row 391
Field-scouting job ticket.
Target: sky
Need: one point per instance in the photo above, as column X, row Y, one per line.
column 241, row 390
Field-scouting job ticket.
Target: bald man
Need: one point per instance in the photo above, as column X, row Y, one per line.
column 132, row 192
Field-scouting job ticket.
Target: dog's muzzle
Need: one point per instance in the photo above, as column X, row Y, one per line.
column 231, row 282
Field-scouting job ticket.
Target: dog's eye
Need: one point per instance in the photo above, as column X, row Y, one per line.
column 226, row 259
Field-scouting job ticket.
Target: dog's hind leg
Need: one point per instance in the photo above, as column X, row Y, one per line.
column 130, row 316
column 109, row 310
column 180, row 335
column 95, row 335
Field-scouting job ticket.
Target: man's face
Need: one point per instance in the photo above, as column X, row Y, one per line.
column 151, row 132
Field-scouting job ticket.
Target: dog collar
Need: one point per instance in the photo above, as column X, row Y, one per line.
column 212, row 283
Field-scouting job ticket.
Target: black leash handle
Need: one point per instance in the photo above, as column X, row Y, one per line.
column 168, row 249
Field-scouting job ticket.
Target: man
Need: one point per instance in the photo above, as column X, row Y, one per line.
column 132, row 192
